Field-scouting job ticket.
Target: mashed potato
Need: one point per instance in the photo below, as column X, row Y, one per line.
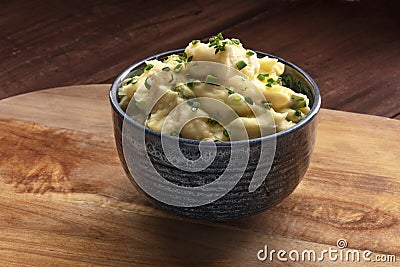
column 216, row 91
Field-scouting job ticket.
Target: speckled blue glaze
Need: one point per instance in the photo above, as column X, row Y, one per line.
column 293, row 151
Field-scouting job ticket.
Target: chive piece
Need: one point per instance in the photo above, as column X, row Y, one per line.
column 297, row 113
column 266, row 104
column 192, row 83
column 227, row 132
column 235, row 41
column 147, row 84
column 132, row 80
column 212, row 121
column 268, row 85
column 178, row 68
column 249, row 53
column 261, row 77
column 211, row 79
column 298, row 102
column 195, row 106
column 219, row 43
column 279, row 80
column 195, row 42
column 190, row 59
column 193, row 103
column 183, row 57
column 231, row 90
column 149, row 67
column 166, row 69
column 172, row 78
column 175, row 132
column 235, row 98
column 270, row 80
column 249, row 100
column 241, row 64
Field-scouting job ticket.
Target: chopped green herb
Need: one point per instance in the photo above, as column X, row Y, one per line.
column 249, row 100
column 172, row 78
column 166, row 69
column 298, row 102
column 297, row 113
column 183, row 90
column 249, row 53
column 279, row 80
column 270, row 81
column 235, row 41
column 241, row 64
column 195, row 42
column 190, row 59
column 149, row 67
column 211, row 79
column 132, row 80
column 231, row 90
column 194, row 103
column 219, row 43
column 262, row 77
column 235, row 98
column 266, row 104
column 178, row 67
column 212, row 121
column 192, row 83
column 183, row 57
column 175, row 132
column 147, row 84
column 227, row 132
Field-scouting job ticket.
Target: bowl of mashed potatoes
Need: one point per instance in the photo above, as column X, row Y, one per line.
column 215, row 131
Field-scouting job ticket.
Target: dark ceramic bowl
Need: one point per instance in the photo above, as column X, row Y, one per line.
column 292, row 157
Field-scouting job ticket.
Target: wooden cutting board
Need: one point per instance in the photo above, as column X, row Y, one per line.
column 65, row 200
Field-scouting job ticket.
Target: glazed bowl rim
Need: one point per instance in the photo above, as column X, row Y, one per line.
column 307, row 119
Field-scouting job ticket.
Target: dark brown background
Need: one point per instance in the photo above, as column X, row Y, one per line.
column 351, row 48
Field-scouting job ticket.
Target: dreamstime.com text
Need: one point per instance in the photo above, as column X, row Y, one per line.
column 340, row 253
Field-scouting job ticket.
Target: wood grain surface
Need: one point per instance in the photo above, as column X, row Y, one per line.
column 351, row 48
column 65, row 200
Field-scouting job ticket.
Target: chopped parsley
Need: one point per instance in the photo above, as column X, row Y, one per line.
column 195, row 42
column 297, row 113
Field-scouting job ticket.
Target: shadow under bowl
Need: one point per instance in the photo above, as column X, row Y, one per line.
column 286, row 168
